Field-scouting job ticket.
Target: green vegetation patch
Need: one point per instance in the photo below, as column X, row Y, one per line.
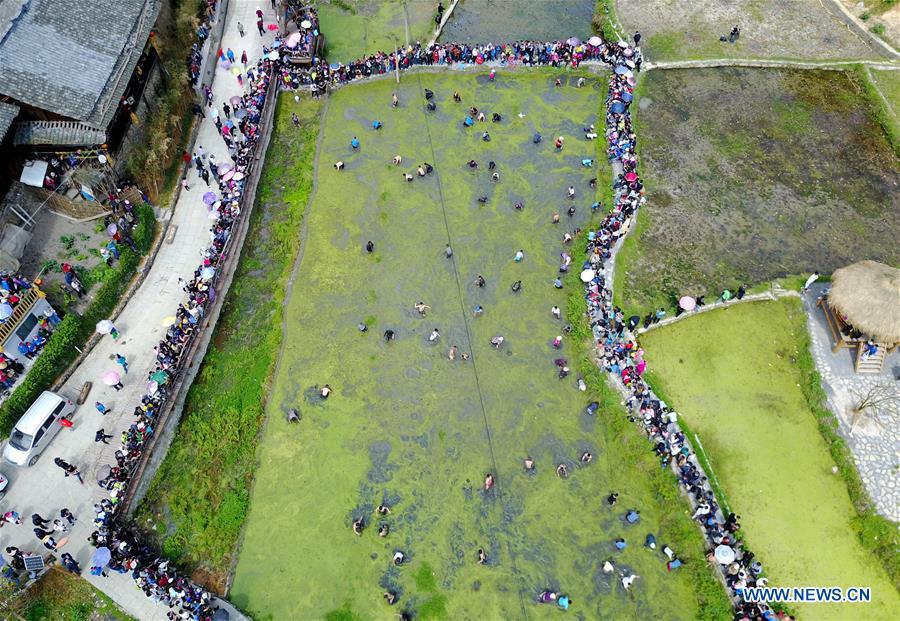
column 61, row 596
column 739, row 378
column 754, row 174
column 356, row 27
column 408, row 427
column 483, row 21
column 198, row 500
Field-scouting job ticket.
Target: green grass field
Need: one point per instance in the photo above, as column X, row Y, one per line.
column 406, row 426
column 733, row 376
column 59, row 595
column 357, row 27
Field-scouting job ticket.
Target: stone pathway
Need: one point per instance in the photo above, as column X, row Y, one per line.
column 875, row 444
column 43, row 488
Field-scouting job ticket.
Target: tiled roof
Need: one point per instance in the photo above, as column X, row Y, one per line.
column 8, row 112
column 57, row 133
column 74, row 57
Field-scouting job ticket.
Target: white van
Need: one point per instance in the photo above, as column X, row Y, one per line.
column 36, row 428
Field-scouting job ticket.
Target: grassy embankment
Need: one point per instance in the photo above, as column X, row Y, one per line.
column 60, row 596
column 744, row 380
column 198, row 499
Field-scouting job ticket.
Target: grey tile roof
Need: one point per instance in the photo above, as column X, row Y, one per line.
column 74, row 57
column 8, row 112
column 58, row 133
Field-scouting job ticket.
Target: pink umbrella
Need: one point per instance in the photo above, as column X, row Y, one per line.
column 111, row 378
column 294, row 39
column 630, row 177
column 226, row 64
column 272, row 26
column 228, row 175
column 687, row 303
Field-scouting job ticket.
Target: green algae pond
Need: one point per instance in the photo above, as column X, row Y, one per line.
column 409, row 428
column 733, row 375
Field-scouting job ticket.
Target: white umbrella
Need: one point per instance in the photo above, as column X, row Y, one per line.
column 724, row 554
column 6, row 311
column 207, row 273
column 588, row 275
column 105, row 326
column 595, row 41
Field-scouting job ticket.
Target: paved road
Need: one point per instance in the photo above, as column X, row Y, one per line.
column 43, row 488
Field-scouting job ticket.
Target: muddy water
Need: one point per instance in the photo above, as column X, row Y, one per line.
column 481, row 21
column 409, row 428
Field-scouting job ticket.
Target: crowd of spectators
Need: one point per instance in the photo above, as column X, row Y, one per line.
column 159, row 581
column 319, row 76
column 621, row 356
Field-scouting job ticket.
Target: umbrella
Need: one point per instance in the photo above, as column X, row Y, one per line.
column 235, row 101
column 6, row 311
column 152, row 387
column 213, row 214
column 628, row 52
column 111, row 378
column 588, row 275
column 627, row 97
column 595, row 41
column 168, row 321
column 724, row 554
column 306, row 24
column 104, row 327
column 209, row 198
column 228, row 175
column 630, row 177
column 687, row 303
column 623, row 44
column 101, row 557
column 630, row 81
column 621, row 70
column 867, row 293
column 573, row 41
column 294, row 39
column 238, row 176
column 272, row 26
column 207, row 273
column 111, row 229
column 229, row 122
column 617, row 107
column 103, row 472
column 160, row 377
column 236, row 70
column 224, row 167
column 239, row 114
column 226, row 64
column 273, row 55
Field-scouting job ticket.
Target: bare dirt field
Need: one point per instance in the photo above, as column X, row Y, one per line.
column 753, row 174
column 690, row 29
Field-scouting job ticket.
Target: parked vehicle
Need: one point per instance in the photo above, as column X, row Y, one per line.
column 36, row 428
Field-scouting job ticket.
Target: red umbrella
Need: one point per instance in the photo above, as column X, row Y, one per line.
column 630, row 177
column 272, row 26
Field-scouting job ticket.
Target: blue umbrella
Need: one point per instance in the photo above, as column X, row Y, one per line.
column 617, row 107
column 627, row 97
column 622, row 69
column 101, row 557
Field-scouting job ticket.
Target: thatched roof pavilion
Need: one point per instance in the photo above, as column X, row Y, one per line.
column 867, row 294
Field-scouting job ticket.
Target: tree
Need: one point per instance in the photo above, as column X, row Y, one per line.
column 878, row 403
